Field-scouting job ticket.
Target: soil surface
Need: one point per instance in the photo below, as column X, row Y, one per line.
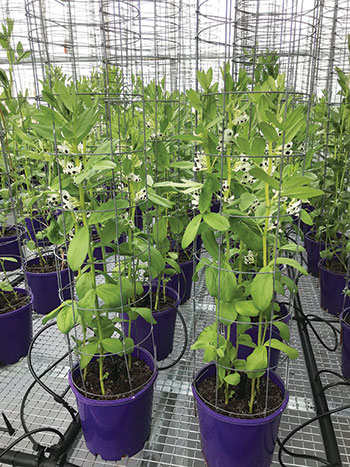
column 184, row 255
column 238, row 404
column 7, row 232
column 41, row 267
column 13, row 301
column 347, row 319
column 335, row 266
column 116, row 383
column 144, row 302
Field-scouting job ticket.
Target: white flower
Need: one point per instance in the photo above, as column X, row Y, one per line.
column 134, row 178
column 141, row 195
column 247, row 179
column 200, row 162
column 195, row 200
column 225, row 185
column 242, row 166
column 265, row 165
column 255, row 204
column 228, row 134
column 230, row 199
column 131, row 224
column 294, row 207
column 53, row 200
column 249, row 258
column 241, row 119
column 63, row 148
column 72, row 169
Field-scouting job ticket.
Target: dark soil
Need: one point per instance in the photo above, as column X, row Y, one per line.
column 347, row 319
column 13, row 301
column 7, row 232
column 184, row 255
column 117, row 385
column 41, row 267
column 335, row 266
column 144, row 302
column 238, row 404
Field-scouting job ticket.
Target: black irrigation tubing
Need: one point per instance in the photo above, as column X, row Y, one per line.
column 26, row 435
column 329, row 462
column 322, row 410
column 24, row 400
column 56, row 397
column 184, row 344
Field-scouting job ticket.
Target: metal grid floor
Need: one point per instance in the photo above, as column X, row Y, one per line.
column 175, row 439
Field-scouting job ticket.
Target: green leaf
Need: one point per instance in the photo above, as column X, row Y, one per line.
column 283, row 329
column 205, row 337
column 83, row 284
column 206, row 195
column 87, row 353
column 181, row 165
column 78, row 248
column 156, row 199
column 276, row 344
column 65, row 320
column 191, row 231
column 146, row 314
column 260, row 174
column 292, row 247
column 113, row 345
column 257, row 360
column 268, row 131
column 216, row 221
column 245, row 200
column 55, row 312
column 302, row 192
column 246, row 308
column 296, row 180
column 227, row 313
column 110, row 294
column 233, row 379
column 210, row 243
column 262, row 288
column 305, row 217
column 291, row 262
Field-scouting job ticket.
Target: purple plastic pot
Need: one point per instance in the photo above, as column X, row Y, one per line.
column 332, row 285
column 232, row 442
column 117, row 428
column 182, row 283
column 345, row 356
column 313, row 249
column 10, row 246
column 16, row 332
column 45, row 288
column 244, row 351
column 163, row 331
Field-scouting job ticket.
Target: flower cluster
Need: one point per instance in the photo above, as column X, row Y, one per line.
column 242, row 118
column 226, row 137
column 247, row 179
column 242, row 165
column 195, row 200
column 141, row 195
column 155, row 136
column 68, row 201
column 128, row 221
column 63, row 148
column 200, row 162
column 72, row 169
column 294, row 207
column 264, row 164
column 53, row 200
column 134, row 178
column 249, row 258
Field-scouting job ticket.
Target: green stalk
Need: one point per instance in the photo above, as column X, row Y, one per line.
column 93, row 284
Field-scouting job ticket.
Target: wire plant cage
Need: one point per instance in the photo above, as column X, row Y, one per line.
column 168, row 162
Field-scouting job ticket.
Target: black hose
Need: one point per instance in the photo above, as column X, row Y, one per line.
column 300, row 427
column 55, row 396
column 31, row 432
column 184, row 345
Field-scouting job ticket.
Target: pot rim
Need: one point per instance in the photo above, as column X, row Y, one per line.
column 112, row 402
column 33, row 260
column 171, row 308
column 241, row 421
column 18, row 310
column 343, row 315
column 323, row 267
